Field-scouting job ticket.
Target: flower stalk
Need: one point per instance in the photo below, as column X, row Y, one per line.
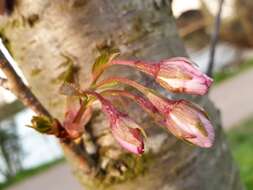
column 178, row 75
column 144, row 103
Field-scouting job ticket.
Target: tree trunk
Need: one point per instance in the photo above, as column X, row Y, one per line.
column 245, row 16
column 238, row 29
column 43, row 34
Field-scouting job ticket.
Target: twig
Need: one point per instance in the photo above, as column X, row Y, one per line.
column 16, row 85
column 214, row 39
column 23, row 93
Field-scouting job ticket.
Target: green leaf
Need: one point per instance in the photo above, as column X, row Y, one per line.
column 102, row 61
column 42, row 124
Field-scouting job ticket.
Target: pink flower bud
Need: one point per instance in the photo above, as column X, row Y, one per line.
column 128, row 134
column 124, row 129
column 185, row 120
column 177, row 74
column 189, row 122
column 180, row 75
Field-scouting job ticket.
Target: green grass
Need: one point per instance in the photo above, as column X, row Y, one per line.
column 29, row 173
column 241, row 142
column 231, row 71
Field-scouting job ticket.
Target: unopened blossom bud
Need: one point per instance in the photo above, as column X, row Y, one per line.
column 190, row 123
column 178, row 75
column 126, row 131
column 185, row 120
column 128, row 134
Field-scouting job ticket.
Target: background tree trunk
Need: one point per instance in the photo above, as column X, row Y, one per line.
column 43, row 34
column 10, row 150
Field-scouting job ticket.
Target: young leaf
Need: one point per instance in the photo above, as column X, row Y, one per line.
column 101, row 62
column 42, row 124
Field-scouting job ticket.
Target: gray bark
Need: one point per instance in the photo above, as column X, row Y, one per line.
column 42, row 33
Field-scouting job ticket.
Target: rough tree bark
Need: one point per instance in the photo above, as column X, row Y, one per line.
column 43, row 34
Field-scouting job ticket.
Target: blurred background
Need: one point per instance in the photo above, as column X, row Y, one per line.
column 23, row 165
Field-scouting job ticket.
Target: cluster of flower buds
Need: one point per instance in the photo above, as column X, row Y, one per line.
column 182, row 118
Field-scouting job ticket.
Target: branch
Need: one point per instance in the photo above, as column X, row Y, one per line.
column 17, row 87
column 214, row 39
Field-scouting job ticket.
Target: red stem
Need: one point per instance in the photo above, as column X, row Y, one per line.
column 106, row 105
column 145, row 104
column 150, row 68
column 144, row 90
column 123, row 62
